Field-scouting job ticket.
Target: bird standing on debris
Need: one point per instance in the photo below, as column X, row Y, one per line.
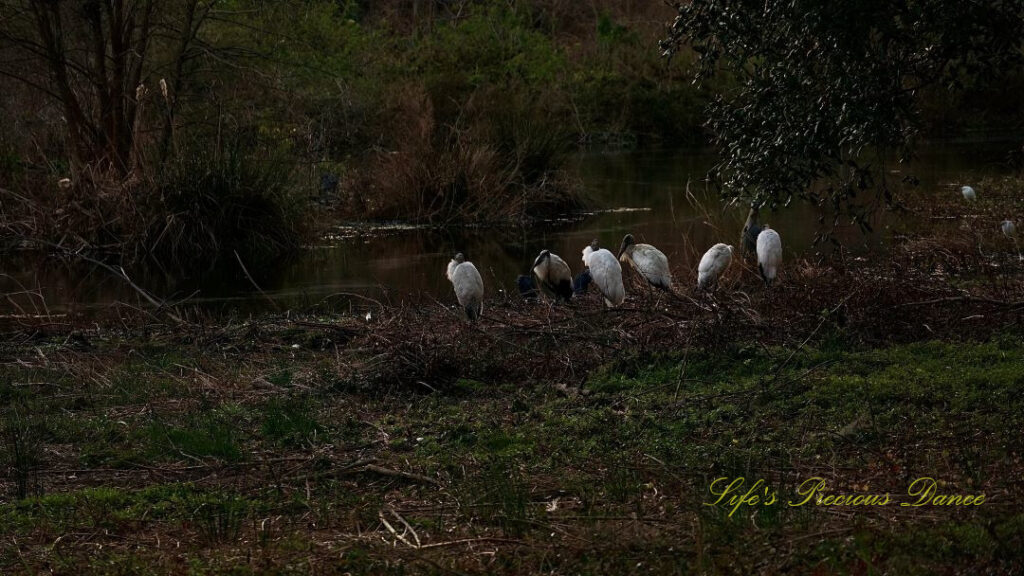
column 769, row 254
column 712, row 264
column 968, row 193
column 650, row 262
column 469, row 286
column 606, row 273
column 554, row 275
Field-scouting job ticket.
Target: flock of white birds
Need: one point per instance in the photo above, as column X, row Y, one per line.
column 602, row 268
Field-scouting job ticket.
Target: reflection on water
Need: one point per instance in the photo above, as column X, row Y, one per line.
column 659, row 197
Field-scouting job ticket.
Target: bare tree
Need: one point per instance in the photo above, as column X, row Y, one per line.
column 93, row 57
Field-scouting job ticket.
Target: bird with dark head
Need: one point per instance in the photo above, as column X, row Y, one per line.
column 751, row 229
column 554, row 275
column 650, row 262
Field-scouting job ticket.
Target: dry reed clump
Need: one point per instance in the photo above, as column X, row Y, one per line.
column 96, row 210
column 490, row 164
column 199, row 206
column 204, row 206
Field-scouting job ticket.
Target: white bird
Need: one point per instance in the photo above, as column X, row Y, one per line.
column 1008, row 228
column 650, row 262
column 554, row 275
column 469, row 286
column 769, row 254
column 968, row 193
column 712, row 264
column 606, row 273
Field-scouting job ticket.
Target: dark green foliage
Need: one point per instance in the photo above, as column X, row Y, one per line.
column 219, row 517
column 291, row 421
column 824, row 83
column 502, row 493
column 211, row 434
column 20, row 451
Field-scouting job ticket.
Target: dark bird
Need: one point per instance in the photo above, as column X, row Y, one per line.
column 527, row 287
column 581, row 282
column 751, row 230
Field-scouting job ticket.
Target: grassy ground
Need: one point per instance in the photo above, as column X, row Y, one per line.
column 163, row 458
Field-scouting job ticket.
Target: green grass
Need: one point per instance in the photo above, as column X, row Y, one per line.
column 290, row 422
column 601, row 480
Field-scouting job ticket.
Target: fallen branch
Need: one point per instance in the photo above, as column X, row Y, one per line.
column 975, row 299
column 400, row 474
column 253, row 282
column 472, row 541
column 119, row 272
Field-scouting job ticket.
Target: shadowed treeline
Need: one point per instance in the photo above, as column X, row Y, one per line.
column 189, row 131
column 438, row 112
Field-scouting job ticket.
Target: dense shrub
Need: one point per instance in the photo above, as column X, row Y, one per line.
column 487, row 166
column 211, row 203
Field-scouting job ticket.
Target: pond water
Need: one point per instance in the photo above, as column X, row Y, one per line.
column 641, row 193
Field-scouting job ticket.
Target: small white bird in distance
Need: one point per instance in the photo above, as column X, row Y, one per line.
column 606, row 273
column 968, row 193
column 469, row 286
column 769, row 254
column 1009, row 228
column 712, row 265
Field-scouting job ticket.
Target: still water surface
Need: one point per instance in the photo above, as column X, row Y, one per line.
column 640, row 193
